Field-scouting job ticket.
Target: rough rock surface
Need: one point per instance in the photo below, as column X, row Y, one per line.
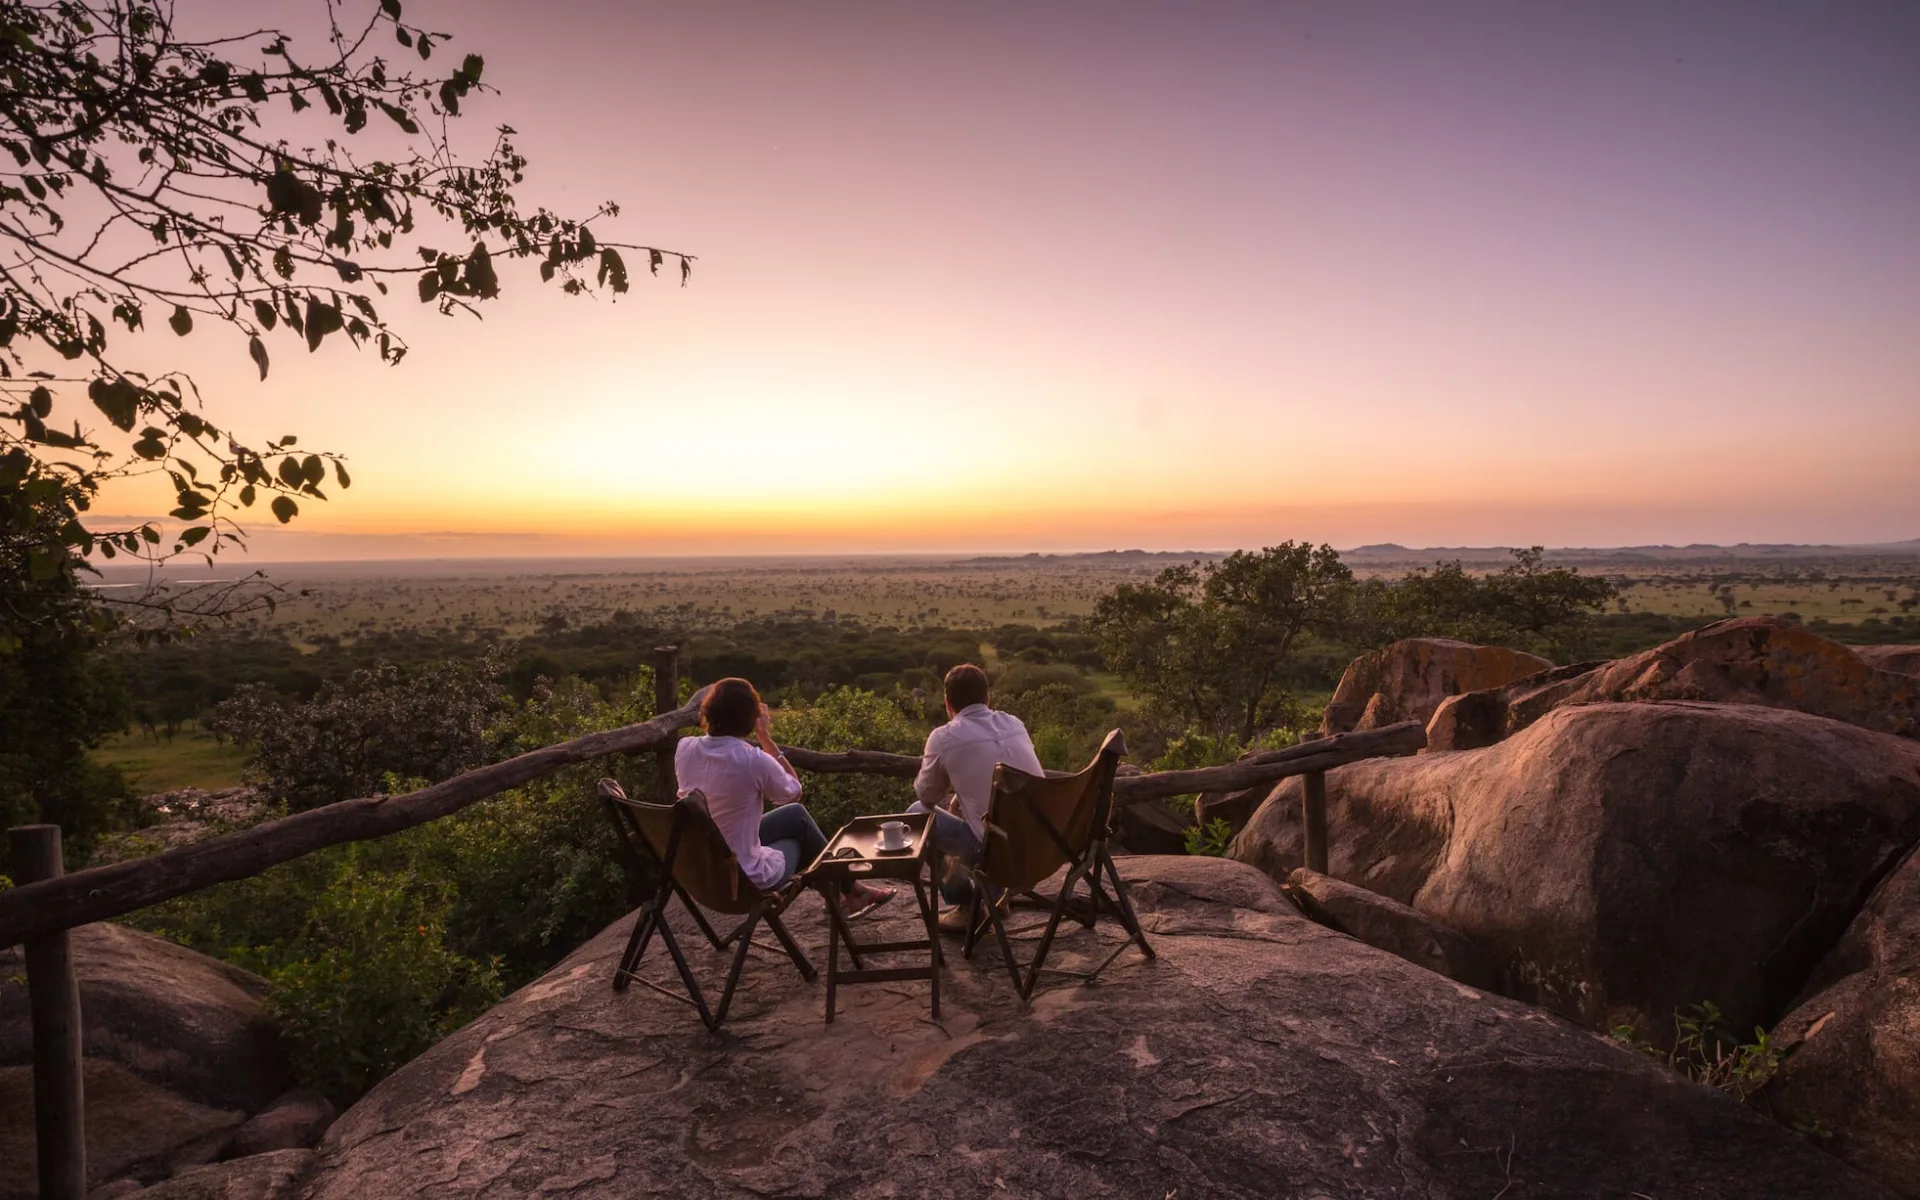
column 179, row 1019
column 294, row 1121
column 1620, row 860
column 1854, row 1064
column 1903, row 659
column 1391, row 926
column 275, row 1175
column 133, row 1128
column 1751, row 660
column 1407, row 680
column 1259, row 1055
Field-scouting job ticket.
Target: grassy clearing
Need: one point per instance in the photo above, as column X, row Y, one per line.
column 192, row 759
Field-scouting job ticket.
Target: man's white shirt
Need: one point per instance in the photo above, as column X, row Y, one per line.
column 960, row 758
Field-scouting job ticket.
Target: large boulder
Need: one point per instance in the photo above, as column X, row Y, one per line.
column 1852, row 1071
column 134, row 1129
column 178, row 1019
column 1904, row 660
column 1619, row 861
column 1258, row 1055
column 274, row 1175
column 1407, row 680
column 1750, row 660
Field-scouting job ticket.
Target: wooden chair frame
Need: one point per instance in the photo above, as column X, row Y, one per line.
column 1085, row 862
column 690, row 830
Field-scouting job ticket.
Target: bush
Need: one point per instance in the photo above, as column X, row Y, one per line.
column 431, row 724
column 374, row 951
column 1066, row 720
column 536, row 869
column 850, row 719
column 379, row 985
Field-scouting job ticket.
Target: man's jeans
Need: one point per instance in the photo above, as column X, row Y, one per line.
column 954, row 837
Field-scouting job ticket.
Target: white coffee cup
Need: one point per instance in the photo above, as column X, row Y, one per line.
column 893, row 835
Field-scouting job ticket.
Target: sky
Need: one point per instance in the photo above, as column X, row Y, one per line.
column 1065, row 276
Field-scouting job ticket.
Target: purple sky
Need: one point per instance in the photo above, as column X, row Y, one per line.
column 1079, row 275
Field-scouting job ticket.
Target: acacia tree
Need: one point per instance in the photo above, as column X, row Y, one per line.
column 1207, row 642
column 273, row 192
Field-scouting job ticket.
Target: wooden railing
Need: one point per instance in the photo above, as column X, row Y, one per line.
column 48, row 903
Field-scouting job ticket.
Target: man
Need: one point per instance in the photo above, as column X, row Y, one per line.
column 955, row 782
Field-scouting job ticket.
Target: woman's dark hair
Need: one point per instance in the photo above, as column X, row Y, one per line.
column 966, row 684
column 731, row 709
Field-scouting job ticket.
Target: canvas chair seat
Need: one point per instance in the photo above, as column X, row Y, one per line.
column 676, row 850
column 1035, row 826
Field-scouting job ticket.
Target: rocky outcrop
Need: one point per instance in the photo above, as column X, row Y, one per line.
column 272, row 1176
column 176, row 1018
column 1852, row 1071
column 1751, row 660
column 1407, row 680
column 133, row 1128
column 1258, row 1055
column 1618, row 861
column 1904, row 660
column 177, row 1050
column 1391, row 926
column 294, row 1121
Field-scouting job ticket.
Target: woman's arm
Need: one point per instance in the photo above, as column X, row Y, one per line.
column 763, row 732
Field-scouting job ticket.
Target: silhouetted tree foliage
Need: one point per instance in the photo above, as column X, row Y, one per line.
column 236, row 182
column 1208, row 641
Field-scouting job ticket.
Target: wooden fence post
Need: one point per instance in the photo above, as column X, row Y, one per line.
column 666, row 698
column 1313, row 819
column 1313, row 814
column 53, row 998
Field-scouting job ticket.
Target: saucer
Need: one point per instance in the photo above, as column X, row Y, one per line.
column 902, row 848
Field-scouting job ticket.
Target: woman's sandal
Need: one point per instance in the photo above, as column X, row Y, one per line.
column 885, row 894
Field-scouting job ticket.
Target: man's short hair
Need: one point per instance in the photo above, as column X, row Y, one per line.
column 731, row 709
column 966, row 684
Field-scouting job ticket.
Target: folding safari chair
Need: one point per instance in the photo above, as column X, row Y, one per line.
column 676, row 850
column 1035, row 826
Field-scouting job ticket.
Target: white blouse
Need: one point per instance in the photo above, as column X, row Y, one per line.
column 738, row 779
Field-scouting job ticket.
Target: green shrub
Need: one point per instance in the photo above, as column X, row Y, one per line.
column 379, row 985
column 1707, row 1050
column 850, row 719
column 1066, row 719
column 1212, row 840
column 430, row 724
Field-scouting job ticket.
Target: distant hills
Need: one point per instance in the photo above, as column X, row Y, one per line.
column 1392, row 553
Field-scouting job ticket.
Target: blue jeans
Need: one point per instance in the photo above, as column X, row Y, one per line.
column 790, row 829
column 953, row 836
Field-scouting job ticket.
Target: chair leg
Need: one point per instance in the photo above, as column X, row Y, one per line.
column 636, row 946
column 1053, row 924
column 1006, row 949
column 733, row 976
column 686, row 972
column 652, row 917
column 800, row 961
column 975, row 919
column 838, row 919
column 1123, row 902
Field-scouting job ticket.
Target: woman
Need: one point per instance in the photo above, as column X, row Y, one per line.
column 738, row 777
